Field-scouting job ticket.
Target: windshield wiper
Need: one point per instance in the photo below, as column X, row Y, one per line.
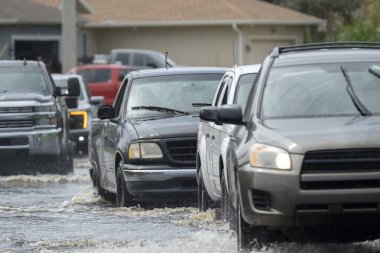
column 159, row 109
column 200, row 104
column 350, row 89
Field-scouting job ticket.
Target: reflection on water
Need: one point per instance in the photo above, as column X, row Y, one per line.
column 54, row 213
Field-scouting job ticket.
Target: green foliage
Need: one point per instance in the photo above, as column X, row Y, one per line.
column 360, row 30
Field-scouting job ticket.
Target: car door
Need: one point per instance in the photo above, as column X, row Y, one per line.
column 111, row 137
column 216, row 135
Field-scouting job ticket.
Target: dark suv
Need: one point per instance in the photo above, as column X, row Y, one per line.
column 306, row 153
column 34, row 134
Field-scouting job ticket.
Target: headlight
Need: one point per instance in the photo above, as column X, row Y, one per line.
column 145, row 150
column 79, row 119
column 265, row 156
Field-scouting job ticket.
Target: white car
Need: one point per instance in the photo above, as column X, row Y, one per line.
column 213, row 138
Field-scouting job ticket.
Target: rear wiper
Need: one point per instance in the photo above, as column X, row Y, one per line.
column 358, row 104
column 200, row 104
column 159, row 109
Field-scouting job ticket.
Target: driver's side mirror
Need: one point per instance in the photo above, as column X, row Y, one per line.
column 230, row 114
column 106, row 112
column 73, row 87
column 209, row 113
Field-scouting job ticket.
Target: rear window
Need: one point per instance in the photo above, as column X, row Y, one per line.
column 95, row 75
column 22, row 80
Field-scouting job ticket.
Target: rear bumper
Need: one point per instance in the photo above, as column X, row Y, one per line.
column 36, row 142
column 160, row 182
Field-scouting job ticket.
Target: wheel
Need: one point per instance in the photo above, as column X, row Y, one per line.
column 123, row 198
column 204, row 200
column 225, row 205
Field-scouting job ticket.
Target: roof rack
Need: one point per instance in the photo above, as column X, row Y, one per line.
column 328, row 45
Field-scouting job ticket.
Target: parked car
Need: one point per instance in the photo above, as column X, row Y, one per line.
column 141, row 58
column 143, row 148
column 306, row 151
column 85, row 108
column 34, row 129
column 213, row 137
column 103, row 79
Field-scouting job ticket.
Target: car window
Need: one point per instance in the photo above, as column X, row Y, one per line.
column 319, row 90
column 124, row 58
column 139, row 59
column 22, row 80
column 95, row 75
column 226, row 91
column 221, row 90
column 186, row 93
column 244, row 86
column 119, row 98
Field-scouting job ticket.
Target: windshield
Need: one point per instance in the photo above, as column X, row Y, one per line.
column 22, row 80
column 95, row 75
column 320, row 90
column 181, row 93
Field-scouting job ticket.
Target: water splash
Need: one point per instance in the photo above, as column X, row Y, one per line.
column 41, row 180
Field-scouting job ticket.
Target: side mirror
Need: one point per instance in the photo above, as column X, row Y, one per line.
column 73, row 87
column 97, row 100
column 230, row 114
column 208, row 113
column 71, row 102
column 106, row 112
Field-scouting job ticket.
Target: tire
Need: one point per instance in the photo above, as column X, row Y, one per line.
column 123, row 198
column 204, row 200
column 226, row 203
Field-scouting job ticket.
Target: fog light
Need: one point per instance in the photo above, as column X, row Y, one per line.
column 81, row 138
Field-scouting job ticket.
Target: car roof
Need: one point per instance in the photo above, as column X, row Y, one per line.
column 177, row 71
column 19, row 63
column 131, row 50
column 327, row 55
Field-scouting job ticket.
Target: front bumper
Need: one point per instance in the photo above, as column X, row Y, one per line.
column 36, row 142
column 290, row 206
column 160, row 182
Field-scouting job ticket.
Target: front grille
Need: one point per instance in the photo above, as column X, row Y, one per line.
column 182, row 150
column 14, row 141
column 16, row 123
column 27, row 109
column 361, row 160
column 352, row 161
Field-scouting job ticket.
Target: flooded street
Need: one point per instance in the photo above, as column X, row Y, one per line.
column 51, row 213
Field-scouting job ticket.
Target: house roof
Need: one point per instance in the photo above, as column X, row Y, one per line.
column 29, row 12
column 122, row 13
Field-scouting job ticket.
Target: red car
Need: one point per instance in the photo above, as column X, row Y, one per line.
column 103, row 79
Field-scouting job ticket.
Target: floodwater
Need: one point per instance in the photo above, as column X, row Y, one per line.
column 52, row 213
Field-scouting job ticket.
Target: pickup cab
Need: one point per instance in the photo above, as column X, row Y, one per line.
column 34, row 127
column 143, row 148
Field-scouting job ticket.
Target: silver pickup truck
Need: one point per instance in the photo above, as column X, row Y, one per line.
column 33, row 120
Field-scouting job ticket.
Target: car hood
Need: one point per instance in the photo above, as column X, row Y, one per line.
column 302, row 135
column 13, row 96
column 170, row 127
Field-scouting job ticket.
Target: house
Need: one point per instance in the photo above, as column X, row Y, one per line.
column 194, row 32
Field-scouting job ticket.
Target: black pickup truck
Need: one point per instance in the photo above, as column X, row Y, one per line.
column 143, row 148
column 34, row 133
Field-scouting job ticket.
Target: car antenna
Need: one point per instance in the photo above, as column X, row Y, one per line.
column 233, row 53
column 24, row 61
column 166, row 60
